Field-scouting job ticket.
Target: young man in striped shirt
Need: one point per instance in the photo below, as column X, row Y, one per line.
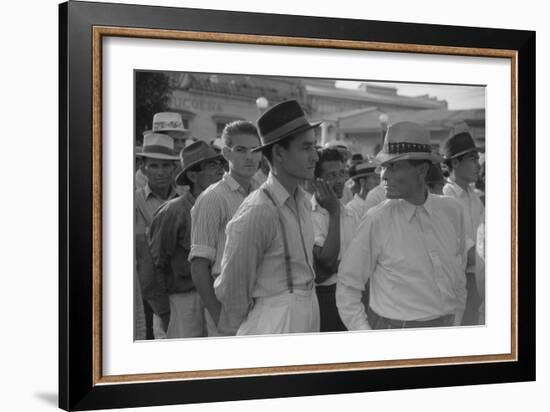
column 267, row 278
column 215, row 207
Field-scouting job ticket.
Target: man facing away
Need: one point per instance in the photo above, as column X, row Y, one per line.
column 267, row 278
column 462, row 160
column 334, row 226
column 215, row 207
column 412, row 246
column 179, row 312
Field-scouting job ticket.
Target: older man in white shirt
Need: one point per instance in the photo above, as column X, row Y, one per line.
column 412, row 246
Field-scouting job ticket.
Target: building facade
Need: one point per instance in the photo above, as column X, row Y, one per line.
column 358, row 117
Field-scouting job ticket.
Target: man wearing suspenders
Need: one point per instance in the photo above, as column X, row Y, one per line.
column 266, row 285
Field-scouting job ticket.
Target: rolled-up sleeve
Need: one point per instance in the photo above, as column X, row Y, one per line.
column 249, row 235
column 355, row 269
column 206, row 216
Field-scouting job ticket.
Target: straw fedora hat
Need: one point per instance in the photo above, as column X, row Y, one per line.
column 168, row 122
column 363, row 169
column 281, row 121
column 158, row 146
column 407, row 141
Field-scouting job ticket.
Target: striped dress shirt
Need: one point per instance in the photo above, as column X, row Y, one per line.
column 212, row 211
column 415, row 257
column 253, row 263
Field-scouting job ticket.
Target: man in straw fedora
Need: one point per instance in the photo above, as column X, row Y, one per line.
column 179, row 312
column 216, row 206
column 365, row 179
column 158, row 158
column 412, row 246
column 461, row 157
column 171, row 124
column 266, row 284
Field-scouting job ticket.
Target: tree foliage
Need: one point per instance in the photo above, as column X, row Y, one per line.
column 152, row 96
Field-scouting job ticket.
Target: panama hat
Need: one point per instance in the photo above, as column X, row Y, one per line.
column 407, row 141
column 363, row 169
column 158, row 146
column 281, row 121
column 168, row 122
column 194, row 154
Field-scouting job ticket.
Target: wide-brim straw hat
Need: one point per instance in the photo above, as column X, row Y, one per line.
column 158, row 146
column 194, row 154
column 281, row 121
column 407, row 141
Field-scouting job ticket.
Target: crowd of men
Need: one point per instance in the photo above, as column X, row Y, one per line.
column 271, row 233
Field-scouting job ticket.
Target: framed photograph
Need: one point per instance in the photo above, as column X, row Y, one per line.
column 121, row 65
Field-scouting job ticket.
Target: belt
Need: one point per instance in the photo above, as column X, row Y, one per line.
column 326, row 288
column 375, row 318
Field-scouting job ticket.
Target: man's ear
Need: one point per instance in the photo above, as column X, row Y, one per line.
column 423, row 169
column 455, row 163
column 278, row 152
column 226, row 152
column 192, row 176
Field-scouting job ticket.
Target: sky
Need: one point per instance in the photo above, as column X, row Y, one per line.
column 458, row 97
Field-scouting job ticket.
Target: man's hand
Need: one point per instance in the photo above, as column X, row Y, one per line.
column 326, row 197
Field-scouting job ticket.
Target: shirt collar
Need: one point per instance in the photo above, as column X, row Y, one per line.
column 457, row 189
column 231, row 182
column 236, row 187
column 148, row 192
column 277, row 189
column 409, row 209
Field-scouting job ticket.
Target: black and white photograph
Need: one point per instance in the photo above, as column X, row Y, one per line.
column 269, row 205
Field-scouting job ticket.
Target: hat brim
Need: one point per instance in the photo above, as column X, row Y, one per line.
column 158, row 156
column 390, row 158
column 300, row 129
column 472, row 149
column 181, row 178
column 183, row 133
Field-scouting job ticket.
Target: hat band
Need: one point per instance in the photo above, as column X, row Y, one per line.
column 167, row 125
column 404, row 147
column 284, row 129
column 158, row 149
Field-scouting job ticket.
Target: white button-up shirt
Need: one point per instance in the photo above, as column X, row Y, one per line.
column 321, row 220
column 474, row 211
column 415, row 257
column 375, row 196
column 253, row 263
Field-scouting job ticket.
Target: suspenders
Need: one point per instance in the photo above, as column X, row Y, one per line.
column 285, row 243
